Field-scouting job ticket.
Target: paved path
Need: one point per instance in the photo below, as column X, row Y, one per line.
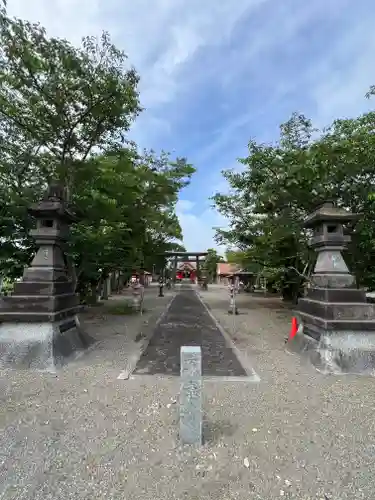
column 187, row 322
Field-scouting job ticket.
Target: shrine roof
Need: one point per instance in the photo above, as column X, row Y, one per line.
column 187, row 264
column 226, row 268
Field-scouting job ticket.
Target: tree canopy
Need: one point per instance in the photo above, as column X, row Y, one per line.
column 211, row 261
column 65, row 114
column 281, row 183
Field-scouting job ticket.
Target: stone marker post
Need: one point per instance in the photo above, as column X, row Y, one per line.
column 191, row 395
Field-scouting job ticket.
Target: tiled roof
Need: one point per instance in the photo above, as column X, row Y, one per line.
column 186, row 265
column 226, row 268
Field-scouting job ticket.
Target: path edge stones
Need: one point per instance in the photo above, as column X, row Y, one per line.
column 146, row 333
column 243, row 359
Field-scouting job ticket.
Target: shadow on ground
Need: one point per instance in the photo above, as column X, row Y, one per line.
column 214, row 431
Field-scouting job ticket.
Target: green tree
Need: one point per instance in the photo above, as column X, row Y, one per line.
column 64, row 113
column 210, row 264
column 58, row 104
column 282, row 183
column 63, row 100
column 128, row 214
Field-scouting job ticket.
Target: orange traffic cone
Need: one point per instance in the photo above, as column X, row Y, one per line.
column 293, row 329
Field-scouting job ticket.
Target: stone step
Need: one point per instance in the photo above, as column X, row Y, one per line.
column 336, row 295
column 41, row 303
column 359, row 325
column 337, row 310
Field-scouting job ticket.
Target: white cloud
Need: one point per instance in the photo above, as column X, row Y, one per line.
column 339, row 92
column 160, row 35
column 184, row 206
column 164, row 39
column 198, row 230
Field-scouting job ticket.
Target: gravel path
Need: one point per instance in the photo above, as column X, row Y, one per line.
column 87, row 435
column 187, row 323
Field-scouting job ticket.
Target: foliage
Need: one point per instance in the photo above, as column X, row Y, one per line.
column 64, row 114
column 210, row 264
column 242, row 259
column 61, row 99
column 122, row 309
column 284, row 182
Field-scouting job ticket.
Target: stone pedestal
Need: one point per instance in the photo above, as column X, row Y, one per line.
column 337, row 325
column 39, row 326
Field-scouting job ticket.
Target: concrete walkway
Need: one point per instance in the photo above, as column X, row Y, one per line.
column 87, row 435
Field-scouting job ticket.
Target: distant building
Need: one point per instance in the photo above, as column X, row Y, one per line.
column 223, row 270
column 187, row 270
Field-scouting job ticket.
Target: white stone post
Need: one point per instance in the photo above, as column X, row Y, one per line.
column 191, row 395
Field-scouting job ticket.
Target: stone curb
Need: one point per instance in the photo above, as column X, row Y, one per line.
column 145, row 334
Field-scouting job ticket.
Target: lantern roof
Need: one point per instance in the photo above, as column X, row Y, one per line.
column 53, row 205
column 328, row 212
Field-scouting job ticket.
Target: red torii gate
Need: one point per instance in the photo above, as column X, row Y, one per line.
column 189, row 257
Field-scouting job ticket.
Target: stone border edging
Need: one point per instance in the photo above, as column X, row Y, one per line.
column 146, row 333
column 242, row 358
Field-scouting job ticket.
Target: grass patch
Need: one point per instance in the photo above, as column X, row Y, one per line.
column 122, row 309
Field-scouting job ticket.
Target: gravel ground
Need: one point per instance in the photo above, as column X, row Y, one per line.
column 87, row 435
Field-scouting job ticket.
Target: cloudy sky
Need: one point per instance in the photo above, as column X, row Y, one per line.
column 216, row 72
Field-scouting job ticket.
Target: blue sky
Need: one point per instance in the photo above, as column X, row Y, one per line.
column 215, row 73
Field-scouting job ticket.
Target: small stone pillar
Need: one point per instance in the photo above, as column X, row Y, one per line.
column 232, row 297
column 137, row 294
column 338, row 325
column 39, row 326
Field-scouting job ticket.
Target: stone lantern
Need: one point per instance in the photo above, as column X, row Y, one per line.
column 338, row 325
column 39, row 326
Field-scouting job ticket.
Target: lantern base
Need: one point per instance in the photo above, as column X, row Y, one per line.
column 41, row 346
column 336, row 352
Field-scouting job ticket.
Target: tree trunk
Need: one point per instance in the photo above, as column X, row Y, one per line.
column 106, row 288
column 113, row 281
column 118, row 282
column 103, row 285
column 92, row 296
